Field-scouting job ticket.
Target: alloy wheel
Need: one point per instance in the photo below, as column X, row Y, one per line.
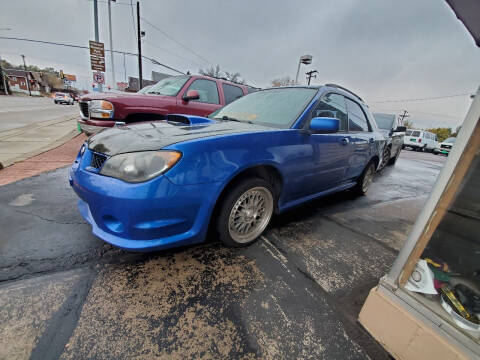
column 250, row 214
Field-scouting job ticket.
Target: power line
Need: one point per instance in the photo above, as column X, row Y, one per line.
column 176, row 41
column 86, row 47
column 422, row 99
column 172, row 53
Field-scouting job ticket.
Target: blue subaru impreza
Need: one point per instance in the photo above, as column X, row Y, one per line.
column 157, row 185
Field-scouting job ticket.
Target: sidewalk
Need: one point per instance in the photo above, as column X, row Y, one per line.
column 63, row 155
column 25, row 142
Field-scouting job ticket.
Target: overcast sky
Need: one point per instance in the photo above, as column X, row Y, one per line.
column 382, row 50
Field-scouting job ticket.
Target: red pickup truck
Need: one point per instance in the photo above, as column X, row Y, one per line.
column 192, row 95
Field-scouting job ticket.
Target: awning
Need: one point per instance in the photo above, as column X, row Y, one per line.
column 468, row 12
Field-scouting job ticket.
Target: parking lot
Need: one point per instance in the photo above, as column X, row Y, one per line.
column 296, row 293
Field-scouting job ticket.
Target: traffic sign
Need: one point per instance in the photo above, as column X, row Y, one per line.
column 97, row 63
column 97, row 48
column 99, row 78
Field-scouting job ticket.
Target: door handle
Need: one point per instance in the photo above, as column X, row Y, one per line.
column 344, row 141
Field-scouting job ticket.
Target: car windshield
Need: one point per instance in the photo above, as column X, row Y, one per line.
column 144, row 90
column 450, row 140
column 169, row 86
column 384, row 121
column 59, row 94
column 277, row 108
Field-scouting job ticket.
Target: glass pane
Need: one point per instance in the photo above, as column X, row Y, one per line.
column 207, row 89
column 231, row 93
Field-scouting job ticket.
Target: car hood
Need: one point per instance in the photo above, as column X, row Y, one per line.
column 121, row 96
column 157, row 135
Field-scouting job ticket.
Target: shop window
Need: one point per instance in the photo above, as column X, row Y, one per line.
column 447, row 276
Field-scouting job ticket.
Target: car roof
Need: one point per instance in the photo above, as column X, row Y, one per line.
column 342, row 90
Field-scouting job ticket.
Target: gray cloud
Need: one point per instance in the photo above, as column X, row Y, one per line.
column 381, row 49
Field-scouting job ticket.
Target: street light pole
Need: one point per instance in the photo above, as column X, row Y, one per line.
column 111, row 43
column 95, row 23
column 139, row 35
column 26, row 75
column 305, row 59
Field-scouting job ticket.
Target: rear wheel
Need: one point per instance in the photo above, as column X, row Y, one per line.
column 245, row 212
column 364, row 181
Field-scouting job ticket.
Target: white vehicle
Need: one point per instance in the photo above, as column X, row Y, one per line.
column 420, row 140
column 63, row 98
column 445, row 146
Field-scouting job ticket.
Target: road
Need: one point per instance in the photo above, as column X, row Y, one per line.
column 296, row 293
column 19, row 111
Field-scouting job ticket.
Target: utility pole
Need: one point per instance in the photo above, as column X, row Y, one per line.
column 3, row 74
column 95, row 20
column 139, row 35
column 404, row 115
column 310, row 74
column 111, row 43
column 26, row 75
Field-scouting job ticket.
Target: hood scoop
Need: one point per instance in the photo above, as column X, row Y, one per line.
column 189, row 119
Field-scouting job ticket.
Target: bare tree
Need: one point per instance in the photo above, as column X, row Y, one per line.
column 212, row 71
column 215, row 72
column 284, row 81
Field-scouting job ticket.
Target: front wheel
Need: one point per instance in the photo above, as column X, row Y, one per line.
column 364, row 181
column 245, row 212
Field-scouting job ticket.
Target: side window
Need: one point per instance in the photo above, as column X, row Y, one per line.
column 333, row 106
column 207, row 89
column 231, row 93
column 356, row 118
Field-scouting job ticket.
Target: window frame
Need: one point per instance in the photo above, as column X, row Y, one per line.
column 198, row 100
column 224, row 96
column 370, row 129
column 307, row 123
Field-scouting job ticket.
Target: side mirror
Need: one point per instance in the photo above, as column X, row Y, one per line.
column 325, row 125
column 191, row 95
column 401, row 129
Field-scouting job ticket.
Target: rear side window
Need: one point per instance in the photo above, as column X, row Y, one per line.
column 231, row 93
column 251, row 89
column 415, row 133
column 332, row 106
column 207, row 89
column 356, row 117
column 408, row 132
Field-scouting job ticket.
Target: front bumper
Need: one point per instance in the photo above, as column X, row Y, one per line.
column 146, row 216
column 94, row 126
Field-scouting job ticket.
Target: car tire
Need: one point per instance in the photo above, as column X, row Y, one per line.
column 245, row 212
column 393, row 160
column 364, row 181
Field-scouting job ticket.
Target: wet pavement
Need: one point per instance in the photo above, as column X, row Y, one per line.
column 296, row 293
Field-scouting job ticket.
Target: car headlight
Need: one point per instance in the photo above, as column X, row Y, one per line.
column 101, row 109
column 140, row 166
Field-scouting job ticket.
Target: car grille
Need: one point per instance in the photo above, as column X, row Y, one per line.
column 84, row 108
column 97, row 160
column 446, row 146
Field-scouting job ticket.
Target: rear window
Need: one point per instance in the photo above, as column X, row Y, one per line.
column 415, row 133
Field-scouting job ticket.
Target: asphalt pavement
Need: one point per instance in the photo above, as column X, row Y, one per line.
column 296, row 293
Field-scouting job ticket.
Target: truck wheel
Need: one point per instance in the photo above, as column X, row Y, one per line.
column 364, row 181
column 245, row 212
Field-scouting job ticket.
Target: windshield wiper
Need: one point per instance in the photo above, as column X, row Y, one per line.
column 228, row 118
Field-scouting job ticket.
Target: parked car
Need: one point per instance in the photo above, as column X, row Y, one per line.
column 63, row 98
column 445, row 146
column 390, row 126
column 194, row 95
column 156, row 185
column 421, row 140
